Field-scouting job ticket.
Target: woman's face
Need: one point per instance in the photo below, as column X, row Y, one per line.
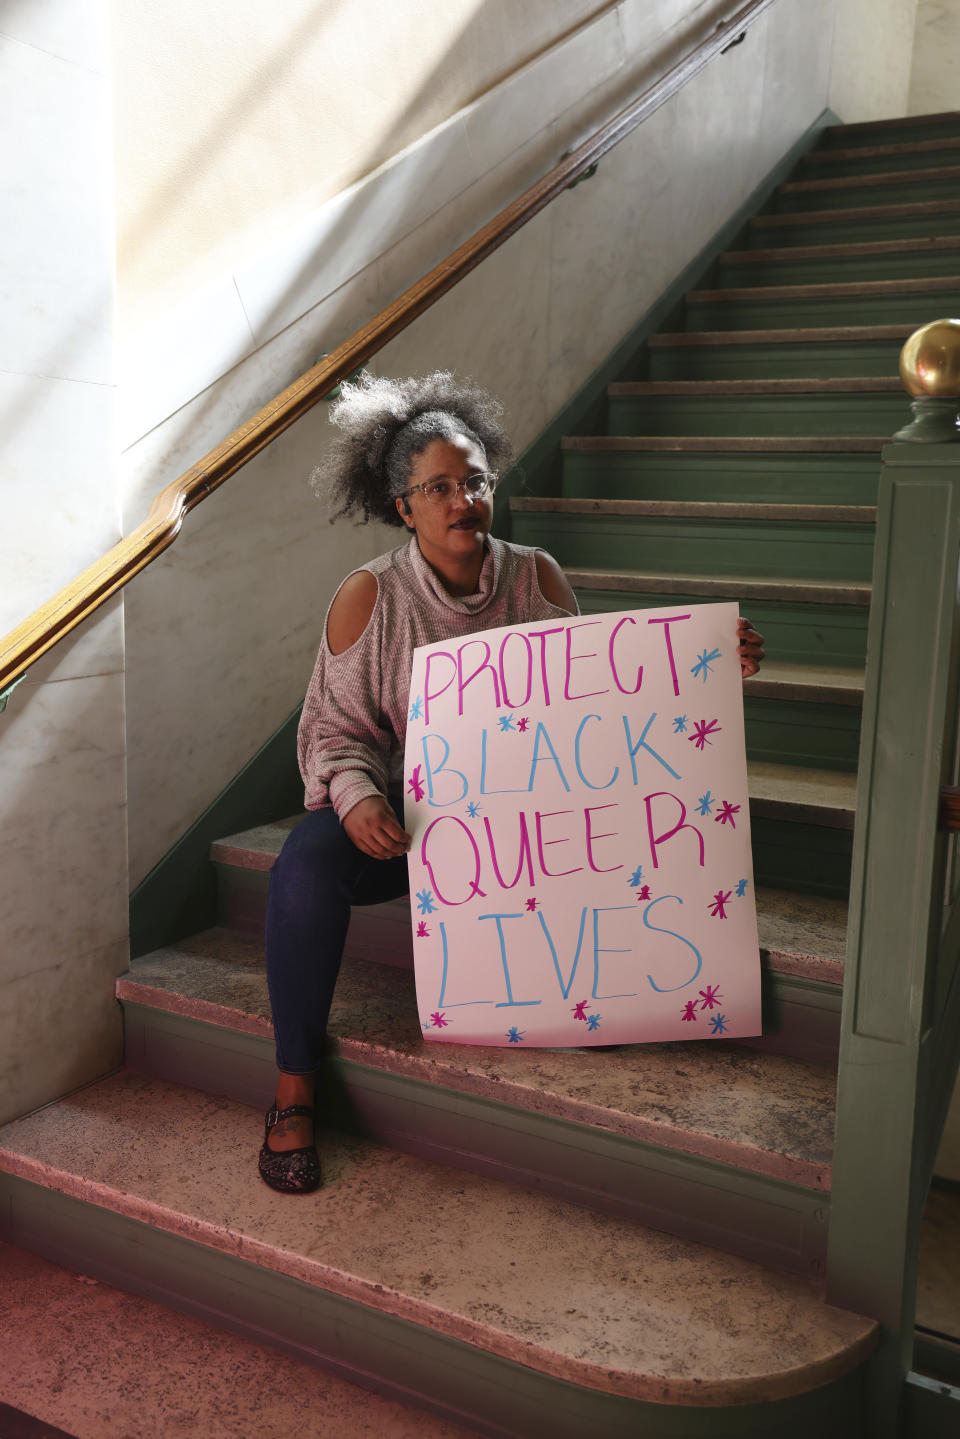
column 458, row 527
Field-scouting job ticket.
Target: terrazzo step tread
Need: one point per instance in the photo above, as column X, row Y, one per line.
column 841, row 132
column 761, row 587
column 827, row 158
column 644, row 1315
column 918, row 209
column 810, row 683
column 719, row 444
column 820, row 335
column 801, row 795
column 808, row 385
column 927, row 176
column 864, row 289
column 767, row 1114
column 104, row 1364
column 852, row 250
column 695, row 509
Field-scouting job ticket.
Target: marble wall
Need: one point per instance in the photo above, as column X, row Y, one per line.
column 62, row 796
column 222, row 631
column 872, row 58
column 935, row 71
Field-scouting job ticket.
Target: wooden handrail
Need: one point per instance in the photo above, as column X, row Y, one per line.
column 49, row 624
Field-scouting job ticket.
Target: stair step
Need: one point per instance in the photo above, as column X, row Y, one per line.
column 796, row 794
column 905, row 128
column 793, row 541
column 708, row 588
column 870, row 260
column 889, row 187
column 786, row 353
column 837, row 413
column 103, row 1364
column 867, row 159
column 836, row 303
column 868, row 222
column 469, row 1299
column 844, row 470
column 829, row 684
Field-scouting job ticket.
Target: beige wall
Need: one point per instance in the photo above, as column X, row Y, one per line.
column 935, row 72
column 872, row 58
column 239, row 117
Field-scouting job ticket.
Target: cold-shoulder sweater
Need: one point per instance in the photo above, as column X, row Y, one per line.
column 354, row 721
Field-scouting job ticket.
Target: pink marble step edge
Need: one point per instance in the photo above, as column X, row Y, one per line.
column 545, row 1083
column 674, row 1317
column 105, row 1364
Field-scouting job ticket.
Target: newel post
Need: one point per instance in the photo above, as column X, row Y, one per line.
column 899, row 995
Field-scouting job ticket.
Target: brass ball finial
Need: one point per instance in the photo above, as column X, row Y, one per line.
column 930, row 361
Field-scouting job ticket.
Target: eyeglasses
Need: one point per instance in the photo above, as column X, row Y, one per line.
column 443, row 492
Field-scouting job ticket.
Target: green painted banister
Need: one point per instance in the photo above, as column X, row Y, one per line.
column 900, row 1031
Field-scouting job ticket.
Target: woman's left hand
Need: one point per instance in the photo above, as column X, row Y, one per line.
column 749, row 648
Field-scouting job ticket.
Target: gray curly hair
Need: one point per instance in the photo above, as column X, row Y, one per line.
column 384, row 423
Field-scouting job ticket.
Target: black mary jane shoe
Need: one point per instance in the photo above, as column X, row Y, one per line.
column 291, row 1171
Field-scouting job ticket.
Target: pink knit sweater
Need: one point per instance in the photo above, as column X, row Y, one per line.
column 354, row 722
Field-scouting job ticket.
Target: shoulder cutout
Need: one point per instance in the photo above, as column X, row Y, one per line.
column 351, row 610
column 553, row 583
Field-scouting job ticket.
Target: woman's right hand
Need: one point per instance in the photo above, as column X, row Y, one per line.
column 373, row 828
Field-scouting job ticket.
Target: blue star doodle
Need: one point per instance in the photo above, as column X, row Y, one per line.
column 741, row 888
column 703, row 666
column 636, row 877
column 718, row 1024
column 416, row 708
column 514, row 1035
column 506, row 723
column 593, row 1021
column 680, row 724
column 705, row 803
column 425, row 902
column 473, row 809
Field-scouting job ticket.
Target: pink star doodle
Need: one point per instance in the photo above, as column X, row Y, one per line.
column 702, row 730
column 415, row 784
column 578, row 1011
column 531, row 904
column 644, row 893
column 438, row 1020
column 422, row 931
column 522, row 723
column 719, row 900
column 710, row 996
column 689, row 1010
column 727, row 811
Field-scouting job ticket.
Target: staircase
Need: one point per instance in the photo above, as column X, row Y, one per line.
column 578, row 1242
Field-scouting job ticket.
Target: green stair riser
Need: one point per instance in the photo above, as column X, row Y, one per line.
column 784, row 549
column 844, row 414
column 910, row 265
column 847, row 137
column 897, row 192
column 799, row 732
column 731, row 1208
column 796, row 633
column 807, row 359
column 857, row 231
column 755, row 478
column 879, row 164
column 771, row 314
column 808, row 857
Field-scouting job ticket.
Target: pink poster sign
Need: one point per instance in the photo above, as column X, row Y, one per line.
column 580, row 871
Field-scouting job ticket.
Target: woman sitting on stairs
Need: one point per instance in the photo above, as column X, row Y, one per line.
column 424, row 454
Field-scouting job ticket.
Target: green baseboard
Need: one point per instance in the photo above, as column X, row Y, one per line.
column 178, row 896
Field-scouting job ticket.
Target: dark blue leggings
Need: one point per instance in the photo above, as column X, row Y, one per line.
column 319, row 874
